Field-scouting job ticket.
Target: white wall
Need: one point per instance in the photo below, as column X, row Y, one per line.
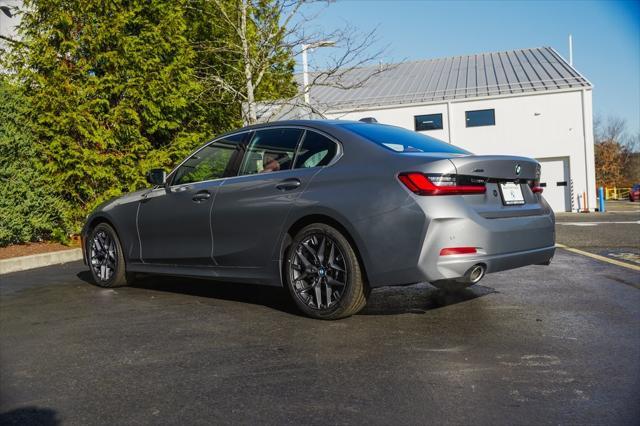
column 532, row 125
column 7, row 25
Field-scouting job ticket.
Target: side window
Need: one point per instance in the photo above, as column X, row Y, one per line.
column 428, row 122
column 211, row 162
column 270, row 150
column 315, row 151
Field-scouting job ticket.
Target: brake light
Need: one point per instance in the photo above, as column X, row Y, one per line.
column 422, row 184
column 535, row 186
column 457, row 250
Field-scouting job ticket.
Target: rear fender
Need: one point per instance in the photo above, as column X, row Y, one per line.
column 319, row 215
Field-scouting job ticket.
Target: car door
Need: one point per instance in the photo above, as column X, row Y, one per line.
column 251, row 209
column 174, row 223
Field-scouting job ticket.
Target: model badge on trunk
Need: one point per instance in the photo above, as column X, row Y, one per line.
column 518, row 169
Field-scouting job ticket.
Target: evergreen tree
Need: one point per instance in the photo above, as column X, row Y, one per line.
column 28, row 210
column 118, row 87
column 112, row 88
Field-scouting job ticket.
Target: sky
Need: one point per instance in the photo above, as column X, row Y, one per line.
column 606, row 37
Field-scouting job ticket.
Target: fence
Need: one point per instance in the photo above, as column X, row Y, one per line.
column 616, row 193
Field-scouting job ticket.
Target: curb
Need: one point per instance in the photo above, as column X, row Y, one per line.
column 23, row 263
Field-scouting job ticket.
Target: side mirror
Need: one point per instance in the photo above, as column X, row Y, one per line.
column 156, row 177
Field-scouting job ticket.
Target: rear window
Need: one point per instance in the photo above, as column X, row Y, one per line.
column 401, row 140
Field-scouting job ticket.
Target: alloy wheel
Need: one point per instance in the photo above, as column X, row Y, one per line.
column 318, row 272
column 103, row 255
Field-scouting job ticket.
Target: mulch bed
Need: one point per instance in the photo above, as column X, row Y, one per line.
column 17, row 250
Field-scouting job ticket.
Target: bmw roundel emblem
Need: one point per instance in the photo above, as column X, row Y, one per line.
column 518, row 168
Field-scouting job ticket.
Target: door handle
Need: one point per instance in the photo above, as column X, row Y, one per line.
column 201, row 196
column 288, row 184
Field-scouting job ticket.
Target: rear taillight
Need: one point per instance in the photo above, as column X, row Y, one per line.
column 432, row 184
column 535, row 186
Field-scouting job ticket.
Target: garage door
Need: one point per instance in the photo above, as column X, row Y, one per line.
column 554, row 178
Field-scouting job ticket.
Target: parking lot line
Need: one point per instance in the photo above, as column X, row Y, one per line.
column 624, row 211
column 598, row 257
column 635, row 222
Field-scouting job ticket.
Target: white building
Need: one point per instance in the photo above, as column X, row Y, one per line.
column 528, row 102
column 8, row 23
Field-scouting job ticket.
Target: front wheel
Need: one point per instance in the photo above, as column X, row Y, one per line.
column 323, row 274
column 105, row 257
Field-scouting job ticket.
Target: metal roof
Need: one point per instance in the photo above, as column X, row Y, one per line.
column 457, row 77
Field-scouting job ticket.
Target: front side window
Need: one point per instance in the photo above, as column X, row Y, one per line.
column 428, row 122
column 316, row 150
column 270, row 150
column 483, row 117
column 211, row 162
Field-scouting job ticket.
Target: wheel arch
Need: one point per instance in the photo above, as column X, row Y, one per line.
column 90, row 224
column 326, row 219
column 97, row 220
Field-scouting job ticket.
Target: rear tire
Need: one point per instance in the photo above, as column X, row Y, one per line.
column 323, row 274
column 106, row 259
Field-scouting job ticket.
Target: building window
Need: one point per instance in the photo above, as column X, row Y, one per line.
column 428, row 122
column 483, row 117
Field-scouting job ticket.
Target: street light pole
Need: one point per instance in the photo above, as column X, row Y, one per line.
column 305, row 65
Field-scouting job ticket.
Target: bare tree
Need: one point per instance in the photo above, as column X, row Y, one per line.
column 266, row 33
column 616, row 155
column 615, row 129
column 356, row 61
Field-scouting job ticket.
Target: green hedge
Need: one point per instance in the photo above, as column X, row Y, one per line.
column 28, row 210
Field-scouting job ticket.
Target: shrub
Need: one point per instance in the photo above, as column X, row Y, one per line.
column 28, row 210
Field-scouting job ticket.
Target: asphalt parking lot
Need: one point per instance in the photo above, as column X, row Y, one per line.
column 556, row 344
column 614, row 234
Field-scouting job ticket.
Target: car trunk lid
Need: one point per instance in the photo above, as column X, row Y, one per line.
column 504, row 176
column 497, row 167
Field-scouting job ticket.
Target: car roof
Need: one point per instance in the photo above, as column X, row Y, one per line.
column 326, row 125
column 319, row 124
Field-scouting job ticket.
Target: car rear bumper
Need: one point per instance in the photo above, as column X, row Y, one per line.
column 500, row 243
column 452, row 267
column 403, row 247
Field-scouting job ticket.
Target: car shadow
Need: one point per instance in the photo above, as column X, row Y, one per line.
column 30, row 416
column 418, row 299
column 271, row 297
column 414, row 299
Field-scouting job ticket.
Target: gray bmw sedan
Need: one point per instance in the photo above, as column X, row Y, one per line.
column 329, row 210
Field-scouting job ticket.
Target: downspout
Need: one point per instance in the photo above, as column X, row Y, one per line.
column 449, row 121
column 584, row 136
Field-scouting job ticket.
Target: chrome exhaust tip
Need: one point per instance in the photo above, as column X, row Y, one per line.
column 471, row 277
column 475, row 273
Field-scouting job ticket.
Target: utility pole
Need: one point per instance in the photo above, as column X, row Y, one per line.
column 570, row 50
